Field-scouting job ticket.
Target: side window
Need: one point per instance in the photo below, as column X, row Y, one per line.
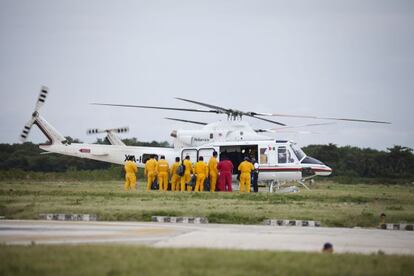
column 263, row 156
column 206, row 153
column 146, row 157
column 281, row 155
column 193, row 153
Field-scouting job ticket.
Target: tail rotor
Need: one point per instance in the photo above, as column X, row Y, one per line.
column 26, row 129
column 42, row 98
column 40, row 101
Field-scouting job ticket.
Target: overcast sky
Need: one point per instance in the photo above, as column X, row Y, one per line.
column 327, row 58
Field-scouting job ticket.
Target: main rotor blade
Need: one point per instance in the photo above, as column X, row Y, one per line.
column 329, row 118
column 263, row 119
column 303, row 126
column 224, row 110
column 158, row 107
column 273, row 131
column 232, row 111
column 186, row 121
column 279, row 129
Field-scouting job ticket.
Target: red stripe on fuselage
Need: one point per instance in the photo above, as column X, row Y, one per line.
column 322, row 170
column 280, row 169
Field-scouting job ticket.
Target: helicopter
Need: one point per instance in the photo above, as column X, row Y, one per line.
column 278, row 160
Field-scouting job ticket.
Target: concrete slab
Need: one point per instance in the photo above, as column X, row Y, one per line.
column 256, row 237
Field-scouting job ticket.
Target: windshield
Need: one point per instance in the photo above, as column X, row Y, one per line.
column 311, row 160
column 298, row 151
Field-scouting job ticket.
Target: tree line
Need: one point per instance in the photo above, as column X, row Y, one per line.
column 28, row 157
column 396, row 163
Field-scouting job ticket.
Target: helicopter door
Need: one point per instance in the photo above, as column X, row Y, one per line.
column 206, row 153
column 190, row 152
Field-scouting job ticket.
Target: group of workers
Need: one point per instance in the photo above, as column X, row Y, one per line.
column 185, row 176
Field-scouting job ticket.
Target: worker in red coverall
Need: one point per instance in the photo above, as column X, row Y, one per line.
column 225, row 168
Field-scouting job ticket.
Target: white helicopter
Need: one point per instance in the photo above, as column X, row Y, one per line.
column 279, row 160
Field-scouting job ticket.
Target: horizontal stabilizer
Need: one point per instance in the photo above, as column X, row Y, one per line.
column 113, row 130
column 47, row 152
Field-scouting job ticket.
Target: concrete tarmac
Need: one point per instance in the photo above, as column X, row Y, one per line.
column 225, row 236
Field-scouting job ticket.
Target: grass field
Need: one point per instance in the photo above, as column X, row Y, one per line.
column 332, row 204
column 131, row 260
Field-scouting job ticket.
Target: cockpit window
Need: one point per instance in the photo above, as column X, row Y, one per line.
column 298, row 151
column 284, row 156
column 311, row 160
column 281, row 155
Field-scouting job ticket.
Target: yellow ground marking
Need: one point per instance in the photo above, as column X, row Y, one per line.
column 115, row 235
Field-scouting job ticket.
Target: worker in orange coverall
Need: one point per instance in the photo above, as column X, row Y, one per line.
column 150, row 171
column 201, row 172
column 130, row 175
column 186, row 178
column 162, row 173
column 212, row 168
column 175, row 178
column 245, row 168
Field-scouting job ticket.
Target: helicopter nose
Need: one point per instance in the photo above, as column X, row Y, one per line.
column 326, row 171
column 317, row 166
column 322, row 170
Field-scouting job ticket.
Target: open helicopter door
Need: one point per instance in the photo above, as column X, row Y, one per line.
column 207, row 153
column 237, row 153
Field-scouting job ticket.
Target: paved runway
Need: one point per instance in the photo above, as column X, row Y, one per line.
column 207, row 236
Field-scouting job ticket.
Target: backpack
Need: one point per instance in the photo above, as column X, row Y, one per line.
column 181, row 169
column 154, row 184
column 207, row 184
column 193, row 181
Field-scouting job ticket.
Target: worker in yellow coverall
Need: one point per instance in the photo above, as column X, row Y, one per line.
column 162, row 172
column 175, row 178
column 150, row 171
column 130, row 175
column 201, row 172
column 212, row 168
column 186, row 178
column 245, row 169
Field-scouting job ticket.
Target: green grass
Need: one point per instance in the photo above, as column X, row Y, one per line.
column 134, row 260
column 332, row 204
